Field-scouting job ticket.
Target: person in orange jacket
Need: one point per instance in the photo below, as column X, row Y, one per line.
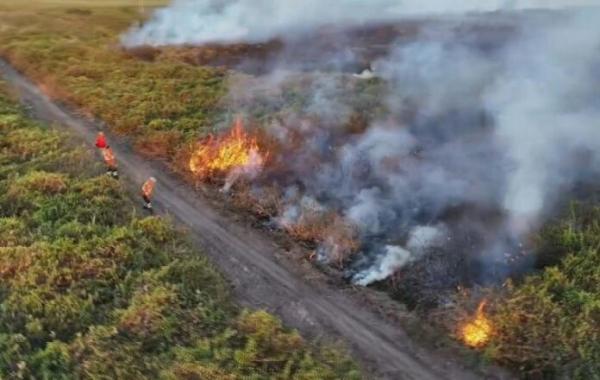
column 101, row 141
column 110, row 161
column 147, row 189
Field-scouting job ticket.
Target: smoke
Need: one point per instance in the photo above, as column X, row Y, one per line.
column 249, row 171
column 423, row 238
column 393, row 258
column 202, row 21
column 546, row 112
column 457, row 139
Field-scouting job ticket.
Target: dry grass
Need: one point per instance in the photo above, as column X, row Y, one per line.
column 86, row 3
column 74, row 55
column 92, row 290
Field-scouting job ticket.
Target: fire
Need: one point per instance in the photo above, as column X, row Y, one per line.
column 221, row 155
column 476, row 333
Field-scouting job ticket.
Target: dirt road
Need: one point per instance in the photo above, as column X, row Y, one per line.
column 258, row 269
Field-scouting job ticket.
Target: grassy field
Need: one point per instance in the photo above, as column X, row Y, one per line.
column 90, row 289
column 74, row 54
column 140, row 4
column 546, row 326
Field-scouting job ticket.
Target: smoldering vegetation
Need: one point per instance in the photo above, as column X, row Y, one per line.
column 197, row 22
column 436, row 166
column 331, row 48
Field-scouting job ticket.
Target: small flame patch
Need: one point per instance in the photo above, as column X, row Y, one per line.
column 476, row 333
column 220, row 155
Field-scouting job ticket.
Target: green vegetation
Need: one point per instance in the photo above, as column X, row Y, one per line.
column 549, row 325
column 91, row 290
column 73, row 53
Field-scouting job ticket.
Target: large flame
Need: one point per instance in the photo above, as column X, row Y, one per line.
column 477, row 332
column 221, row 155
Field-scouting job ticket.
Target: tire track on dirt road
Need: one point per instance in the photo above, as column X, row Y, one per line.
column 254, row 264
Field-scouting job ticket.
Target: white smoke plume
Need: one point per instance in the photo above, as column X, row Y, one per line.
column 545, row 113
column 393, row 259
column 421, row 239
column 202, row 21
column 539, row 95
column 477, row 140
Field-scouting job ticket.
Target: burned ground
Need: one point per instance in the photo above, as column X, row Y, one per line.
column 474, row 253
column 333, row 48
column 158, row 96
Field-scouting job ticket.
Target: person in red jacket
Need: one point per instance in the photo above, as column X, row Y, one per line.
column 101, row 141
column 147, row 189
column 111, row 162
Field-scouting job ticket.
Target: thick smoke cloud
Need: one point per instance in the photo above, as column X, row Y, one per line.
column 510, row 130
column 202, row 21
column 546, row 111
column 475, row 141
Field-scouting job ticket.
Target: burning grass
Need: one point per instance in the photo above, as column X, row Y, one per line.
column 544, row 325
column 547, row 325
column 224, row 155
column 160, row 100
column 236, row 157
column 90, row 289
column 539, row 325
column 75, row 59
column 477, row 331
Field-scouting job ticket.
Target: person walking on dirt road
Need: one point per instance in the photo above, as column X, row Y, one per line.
column 147, row 190
column 110, row 161
column 101, row 140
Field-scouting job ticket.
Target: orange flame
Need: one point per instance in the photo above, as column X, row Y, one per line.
column 477, row 332
column 220, row 155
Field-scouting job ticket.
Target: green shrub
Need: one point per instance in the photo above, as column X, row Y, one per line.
column 15, row 351
column 90, row 290
column 549, row 325
column 54, row 362
column 150, row 317
column 13, row 232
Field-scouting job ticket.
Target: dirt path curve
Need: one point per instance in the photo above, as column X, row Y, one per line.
column 257, row 267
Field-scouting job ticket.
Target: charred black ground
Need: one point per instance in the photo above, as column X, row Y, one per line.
column 464, row 259
column 343, row 49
